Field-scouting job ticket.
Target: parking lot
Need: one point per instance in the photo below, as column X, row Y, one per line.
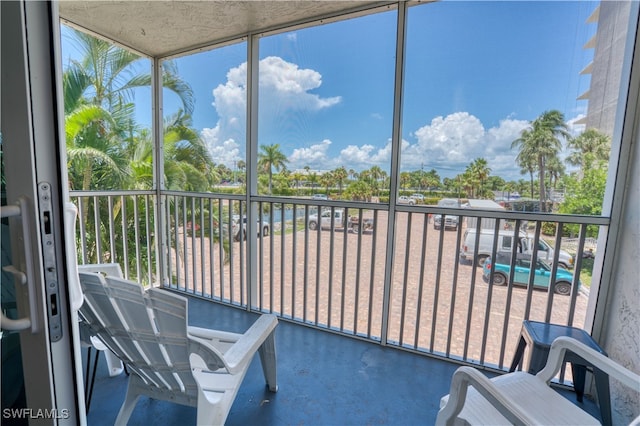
column 435, row 304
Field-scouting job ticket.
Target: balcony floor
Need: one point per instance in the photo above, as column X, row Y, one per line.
column 323, row 378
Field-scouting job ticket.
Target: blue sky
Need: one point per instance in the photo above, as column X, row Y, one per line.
column 476, row 73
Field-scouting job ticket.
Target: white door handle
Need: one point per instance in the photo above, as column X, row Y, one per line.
column 22, row 277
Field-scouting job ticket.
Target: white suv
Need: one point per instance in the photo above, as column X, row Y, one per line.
column 403, row 199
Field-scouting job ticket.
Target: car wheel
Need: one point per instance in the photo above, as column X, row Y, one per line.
column 435, row 227
column 499, row 279
column 482, row 259
column 563, row 288
column 244, row 235
column 265, row 231
column 313, row 225
column 355, row 228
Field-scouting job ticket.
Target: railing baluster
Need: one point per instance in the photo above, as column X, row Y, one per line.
column 294, row 260
column 577, row 268
column 283, row 256
column 358, row 273
column 472, row 285
column 423, row 257
column 136, row 233
column 83, row 230
column 112, row 237
column 436, row 289
column 405, row 277
column 306, row 265
column 345, row 260
column 212, row 260
column 319, row 260
column 96, row 224
column 454, row 288
column 221, row 245
column 372, row 278
column 123, row 227
column 331, row 261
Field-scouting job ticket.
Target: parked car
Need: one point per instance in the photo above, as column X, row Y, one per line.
column 418, row 197
column 505, row 244
column 322, row 197
column 403, row 199
column 450, row 221
column 340, row 220
column 542, row 273
column 241, row 233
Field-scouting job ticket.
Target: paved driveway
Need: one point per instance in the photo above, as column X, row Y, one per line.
column 435, row 303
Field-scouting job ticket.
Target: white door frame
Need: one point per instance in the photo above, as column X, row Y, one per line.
column 32, row 128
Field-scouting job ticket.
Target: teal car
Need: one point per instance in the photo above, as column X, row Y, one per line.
column 542, row 273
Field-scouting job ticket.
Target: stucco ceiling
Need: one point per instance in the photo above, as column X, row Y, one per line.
column 165, row 27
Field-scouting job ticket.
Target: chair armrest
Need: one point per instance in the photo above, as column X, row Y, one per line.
column 243, row 350
column 239, row 353
column 596, row 359
column 465, row 376
column 110, row 269
column 207, row 352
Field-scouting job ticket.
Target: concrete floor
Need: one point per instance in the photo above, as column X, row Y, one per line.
column 323, row 378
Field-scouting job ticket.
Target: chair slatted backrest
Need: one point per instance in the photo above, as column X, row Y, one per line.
column 147, row 330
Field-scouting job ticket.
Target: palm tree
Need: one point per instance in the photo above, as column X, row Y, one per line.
column 97, row 91
column 271, row 157
column 526, row 159
column 297, row 177
column 405, row 180
column 95, row 155
column 376, row 174
column 542, row 141
column 188, row 163
column 478, row 171
column 105, row 75
column 591, row 146
column 340, row 174
column 327, row 179
column 556, row 170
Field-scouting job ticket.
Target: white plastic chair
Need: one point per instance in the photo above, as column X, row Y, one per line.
column 114, row 365
column 169, row 360
column 522, row 398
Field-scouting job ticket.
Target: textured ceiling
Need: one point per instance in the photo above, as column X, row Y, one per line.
column 161, row 28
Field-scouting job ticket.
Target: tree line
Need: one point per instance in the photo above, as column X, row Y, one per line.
column 107, row 149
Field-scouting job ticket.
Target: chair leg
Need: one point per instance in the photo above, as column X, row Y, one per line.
column 86, row 378
column 268, row 360
column 517, row 357
column 604, row 396
column 210, row 414
column 93, row 377
column 579, row 372
column 130, row 401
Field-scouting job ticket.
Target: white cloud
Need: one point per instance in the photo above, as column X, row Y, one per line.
column 225, row 152
column 448, row 144
column 288, row 85
column 283, row 86
column 574, row 128
column 314, row 156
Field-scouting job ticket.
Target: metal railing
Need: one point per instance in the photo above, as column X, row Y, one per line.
column 323, row 263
